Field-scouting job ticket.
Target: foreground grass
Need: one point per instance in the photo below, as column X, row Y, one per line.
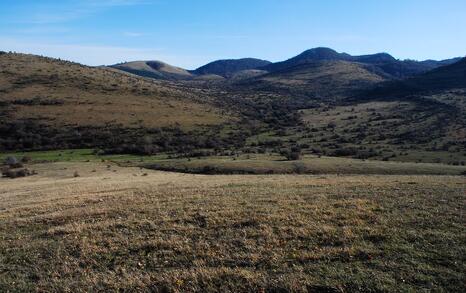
column 121, row 229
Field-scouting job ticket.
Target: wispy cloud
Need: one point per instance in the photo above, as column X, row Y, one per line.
column 133, row 34
column 45, row 14
column 100, row 54
column 39, row 30
column 112, row 3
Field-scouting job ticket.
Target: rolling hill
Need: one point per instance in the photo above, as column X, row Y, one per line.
column 443, row 78
column 154, row 69
column 328, row 80
column 327, row 107
column 228, row 68
column 49, row 103
column 382, row 63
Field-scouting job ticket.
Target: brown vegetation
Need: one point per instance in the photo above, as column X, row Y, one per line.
column 107, row 231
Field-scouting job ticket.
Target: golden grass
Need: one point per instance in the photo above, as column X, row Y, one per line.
column 138, row 230
column 100, row 96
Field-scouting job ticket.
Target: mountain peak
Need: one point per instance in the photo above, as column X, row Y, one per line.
column 375, row 58
column 321, row 53
column 228, row 67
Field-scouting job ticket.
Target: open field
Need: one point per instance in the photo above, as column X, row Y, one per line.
column 133, row 229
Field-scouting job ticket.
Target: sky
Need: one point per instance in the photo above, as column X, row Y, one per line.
column 190, row 33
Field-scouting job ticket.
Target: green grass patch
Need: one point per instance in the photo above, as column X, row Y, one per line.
column 80, row 155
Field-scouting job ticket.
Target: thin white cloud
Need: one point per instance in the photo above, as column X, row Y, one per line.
column 113, row 3
column 99, row 55
column 58, row 14
column 36, row 30
column 133, row 34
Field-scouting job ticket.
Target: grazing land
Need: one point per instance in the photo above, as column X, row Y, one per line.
column 324, row 172
column 134, row 229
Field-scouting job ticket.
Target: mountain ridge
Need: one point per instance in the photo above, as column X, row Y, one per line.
column 228, row 67
column 382, row 64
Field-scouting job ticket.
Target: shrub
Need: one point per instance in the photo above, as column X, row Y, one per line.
column 299, row 168
column 344, row 152
column 10, row 161
column 26, row 159
column 11, row 173
column 292, row 155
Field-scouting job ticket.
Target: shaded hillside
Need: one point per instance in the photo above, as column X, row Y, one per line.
column 227, row 68
column 443, row 78
column 154, row 69
column 316, row 80
column 382, row 63
column 308, row 56
column 51, row 103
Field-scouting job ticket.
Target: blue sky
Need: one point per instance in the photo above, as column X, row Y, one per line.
column 190, row 33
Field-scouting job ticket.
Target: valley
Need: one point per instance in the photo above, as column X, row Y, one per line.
column 322, row 173
column 320, row 103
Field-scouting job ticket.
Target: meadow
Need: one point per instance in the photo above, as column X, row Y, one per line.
column 133, row 229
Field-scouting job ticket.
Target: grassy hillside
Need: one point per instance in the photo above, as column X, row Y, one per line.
column 228, row 68
column 47, row 97
column 444, row 78
column 154, row 69
column 320, row 108
column 381, row 63
column 319, row 80
column 126, row 229
column 62, row 93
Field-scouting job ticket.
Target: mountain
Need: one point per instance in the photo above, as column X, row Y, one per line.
column 382, row 64
column 48, row 103
column 227, row 68
column 309, row 56
column 435, row 63
column 154, row 69
column 443, row 78
column 328, row 79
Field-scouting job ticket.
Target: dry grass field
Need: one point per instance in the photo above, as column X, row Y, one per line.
column 131, row 229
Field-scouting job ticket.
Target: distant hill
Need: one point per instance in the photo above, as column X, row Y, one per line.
column 382, row 63
column 321, row 101
column 446, row 77
column 327, row 79
column 228, row 68
column 309, row 56
column 154, row 69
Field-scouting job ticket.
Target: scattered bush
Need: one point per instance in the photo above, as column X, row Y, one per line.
column 291, row 155
column 10, row 161
column 26, row 159
column 17, row 173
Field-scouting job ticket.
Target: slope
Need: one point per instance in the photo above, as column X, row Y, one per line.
column 43, row 99
column 154, row 69
column 227, row 68
column 316, row 80
column 382, row 63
